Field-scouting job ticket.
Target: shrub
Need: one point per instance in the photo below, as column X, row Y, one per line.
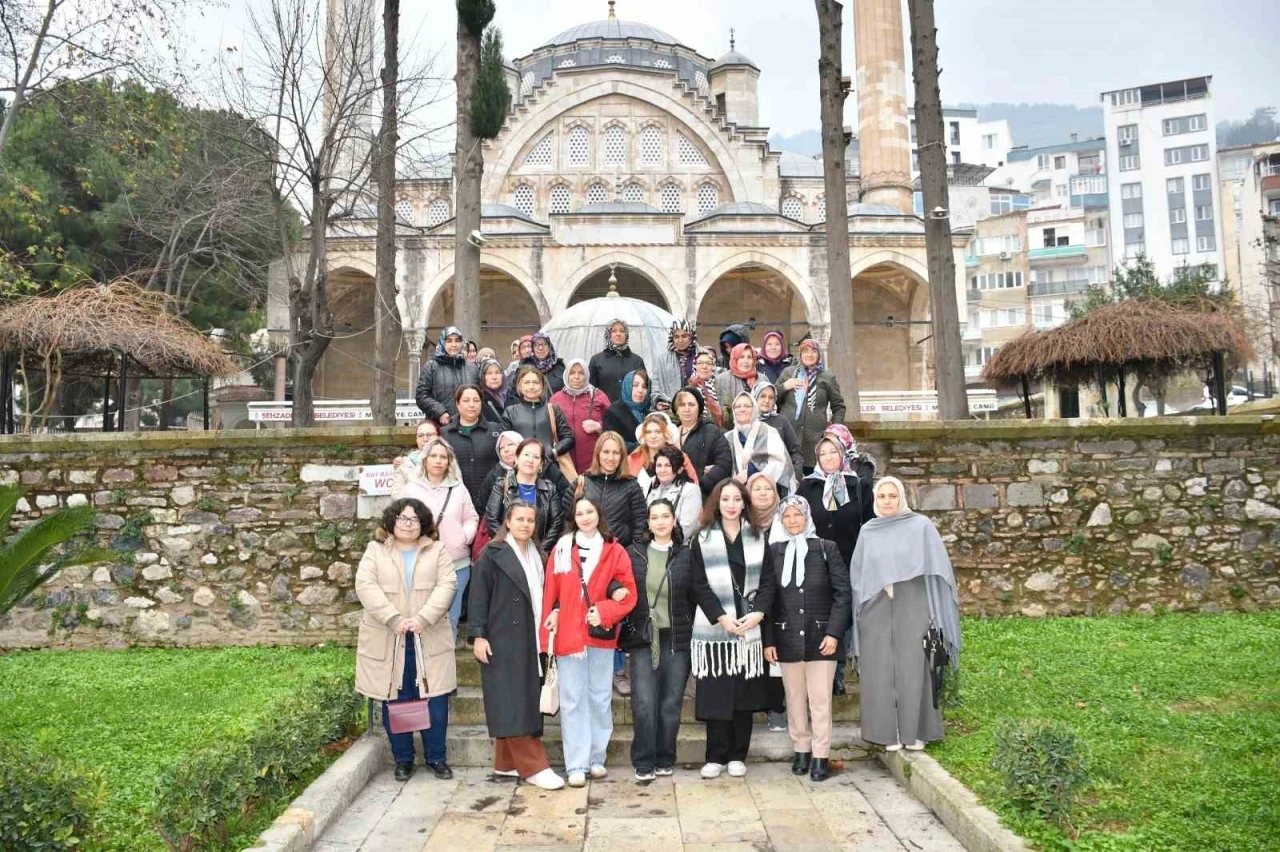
column 198, row 799
column 1043, row 766
column 45, row 803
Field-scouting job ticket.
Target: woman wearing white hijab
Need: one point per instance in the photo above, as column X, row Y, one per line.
column 757, row 447
column 903, row 586
column 808, row 613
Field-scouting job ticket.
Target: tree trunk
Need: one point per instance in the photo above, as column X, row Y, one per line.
column 1139, row 407
column 20, row 90
column 953, row 399
column 468, row 169
column 311, row 321
column 166, row 406
column 133, row 403
column 842, row 349
column 386, row 318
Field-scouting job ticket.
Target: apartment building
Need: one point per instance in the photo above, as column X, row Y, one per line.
column 997, row 275
column 969, row 140
column 1250, row 192
column 1163, row 186
column 1072, row 173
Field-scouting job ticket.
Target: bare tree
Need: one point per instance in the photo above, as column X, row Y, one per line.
column 310, row 89
column 953, row 398
column 473, row 17
column 386, row 318
column 842, row 350
column 47, row 43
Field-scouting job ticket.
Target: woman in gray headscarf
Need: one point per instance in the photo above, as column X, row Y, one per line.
column 903, row 585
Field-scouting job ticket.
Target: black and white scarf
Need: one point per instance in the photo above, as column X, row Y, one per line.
column 715, row 651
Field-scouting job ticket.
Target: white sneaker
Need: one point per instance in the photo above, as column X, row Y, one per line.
column 548, row 780
column 918, row 745
column 644, row 776
column 664, row 771
column 598, row 771
column 737, row 769
column 894, row 747
column 577, row 779
column 712, row 770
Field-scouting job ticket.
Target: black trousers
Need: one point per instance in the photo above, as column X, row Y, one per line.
column 728, row 741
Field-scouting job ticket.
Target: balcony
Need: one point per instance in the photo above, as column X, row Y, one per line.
column 1271, row 183
column 1057, row 253
column 971, row 262
column 1057, row 288
column 972, row 333
column 973, row 296
column 973, row 371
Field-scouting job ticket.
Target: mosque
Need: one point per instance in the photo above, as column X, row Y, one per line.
column 630, row 160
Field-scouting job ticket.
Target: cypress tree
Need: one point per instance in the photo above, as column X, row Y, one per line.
column 490, row 98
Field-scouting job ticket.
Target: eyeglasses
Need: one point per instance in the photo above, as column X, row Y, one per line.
column 408, row 521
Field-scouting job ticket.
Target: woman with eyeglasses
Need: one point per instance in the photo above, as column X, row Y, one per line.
column 404, row 651
column 408, row 467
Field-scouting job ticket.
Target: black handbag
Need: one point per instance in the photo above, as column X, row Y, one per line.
column 595, row 631
column 935, row 652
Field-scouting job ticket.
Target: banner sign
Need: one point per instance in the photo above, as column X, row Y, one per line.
column 330, row 410
column 375, row 480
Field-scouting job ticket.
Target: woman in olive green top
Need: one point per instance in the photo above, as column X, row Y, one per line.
column 659, row 663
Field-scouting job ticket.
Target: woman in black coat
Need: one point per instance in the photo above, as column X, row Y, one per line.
column 534, row 417
column 625, row 415
column 608, row 366
column 505, row 608
column 441, row 377
column 474, row 443
column 839, row 492
column 526, row 483
column 657, row 686
column 611, row 486
column 809, row 609
column 701, row 440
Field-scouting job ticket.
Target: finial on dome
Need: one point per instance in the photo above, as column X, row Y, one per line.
column 731, row 38
column 612, row 16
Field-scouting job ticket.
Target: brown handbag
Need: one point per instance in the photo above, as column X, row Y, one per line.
column 564, row 461
column 405, row 717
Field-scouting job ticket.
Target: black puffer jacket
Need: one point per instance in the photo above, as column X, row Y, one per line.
column 622, row 502
column 797, row 618
column 533, row 420
column 477, row 454
column 619, row 418
column 549, row 520
column 678, row 592
column 439, row 381
column 706, row 445
column 608, row 368
column 843, row 525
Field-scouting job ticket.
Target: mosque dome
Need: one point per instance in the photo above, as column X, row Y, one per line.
column 611, row 28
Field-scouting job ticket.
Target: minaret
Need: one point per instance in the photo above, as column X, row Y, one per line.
column 350, row 48
column 884, row 137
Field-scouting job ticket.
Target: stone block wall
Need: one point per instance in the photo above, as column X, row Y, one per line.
column 254, row 537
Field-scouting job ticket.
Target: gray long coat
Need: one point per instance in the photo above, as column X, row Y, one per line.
column 499, row 610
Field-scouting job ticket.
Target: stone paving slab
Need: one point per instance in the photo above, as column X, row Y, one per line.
column 862, row 808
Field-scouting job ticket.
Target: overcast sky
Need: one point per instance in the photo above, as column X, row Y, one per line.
column 991, row 50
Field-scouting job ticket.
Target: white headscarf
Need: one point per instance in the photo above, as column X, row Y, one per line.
column 797, row 545
column 903, row 506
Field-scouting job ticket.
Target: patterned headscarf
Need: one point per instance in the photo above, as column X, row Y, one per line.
column 499, row 396
column 807, row 391
column 547, row 363
column 835, row 491
column 441, row 354
column 587, row 387
column 509, row 437
column 609, row 344
column 684, row 357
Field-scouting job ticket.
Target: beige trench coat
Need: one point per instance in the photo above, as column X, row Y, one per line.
column 380, row 587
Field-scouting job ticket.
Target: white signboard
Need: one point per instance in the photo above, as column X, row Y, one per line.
column 923, row 402
column 330, row 411
column 375, row 480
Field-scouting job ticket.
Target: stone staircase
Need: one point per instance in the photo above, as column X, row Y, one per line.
column 470, row 745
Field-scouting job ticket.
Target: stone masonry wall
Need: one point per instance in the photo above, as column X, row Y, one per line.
column 254, row 537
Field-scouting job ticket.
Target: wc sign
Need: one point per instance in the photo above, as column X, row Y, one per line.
column 376, row 479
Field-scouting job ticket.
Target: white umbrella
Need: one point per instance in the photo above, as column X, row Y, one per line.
column 579, row 332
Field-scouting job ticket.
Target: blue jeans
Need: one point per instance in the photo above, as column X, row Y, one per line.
column 657, row 696
column 586, row 719
column 455, row 608
column 433, row 738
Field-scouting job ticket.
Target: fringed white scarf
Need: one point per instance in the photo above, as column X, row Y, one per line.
column 531, row 562
column 714, row 650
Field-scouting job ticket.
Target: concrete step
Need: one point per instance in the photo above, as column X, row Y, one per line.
column 470, row 745
column 467, row 708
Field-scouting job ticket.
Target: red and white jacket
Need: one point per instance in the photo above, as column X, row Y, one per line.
column 564, row 590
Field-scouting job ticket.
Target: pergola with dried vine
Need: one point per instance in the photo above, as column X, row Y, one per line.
column 110, row 332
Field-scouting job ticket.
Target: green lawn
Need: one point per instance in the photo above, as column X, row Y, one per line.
column 1180, row 715
column 133, row 713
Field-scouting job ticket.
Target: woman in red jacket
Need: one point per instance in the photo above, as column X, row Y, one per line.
column 589, row 590
column 584, row 406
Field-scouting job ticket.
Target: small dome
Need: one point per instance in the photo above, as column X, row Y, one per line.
column 611, row 28
column 733, row 57
column 873, row 210
column 620, row 207
column 743, row 208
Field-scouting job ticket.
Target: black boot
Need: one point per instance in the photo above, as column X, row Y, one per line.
column 800, row 763
column 404, row 770
column 441, row 770
column 821, row 769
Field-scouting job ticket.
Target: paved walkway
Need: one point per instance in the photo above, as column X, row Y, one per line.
column 862, row 808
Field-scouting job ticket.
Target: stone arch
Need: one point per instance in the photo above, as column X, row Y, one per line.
column 813, row 313
column 513, row 141
column 351, row 264
column 889, row 284
column 675, row 304
column 346, row 368
column 494, row 261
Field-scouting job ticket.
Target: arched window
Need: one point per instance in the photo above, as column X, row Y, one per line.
column 404, row 212
column 708, row 198
column 689, row 153
column 559, row 198
column 526, row 83
column 540, row 155
column 822, row 208
column 633, row 193
column 437, row 212
column 792, row 208
column 615, row 146
column 579, row 147
column 522, row 199
column 597, row 193
column 651, row 146
column 671, row 198
column 700, row 80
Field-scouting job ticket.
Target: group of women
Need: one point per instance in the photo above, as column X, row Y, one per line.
column 751, row 556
